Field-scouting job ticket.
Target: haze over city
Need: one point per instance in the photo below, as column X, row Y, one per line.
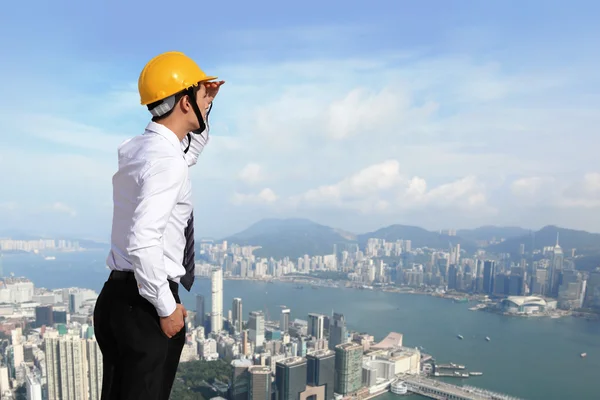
column 355, row 115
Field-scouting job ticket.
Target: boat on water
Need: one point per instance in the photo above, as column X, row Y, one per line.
column 475, row 373
column 583, row 355
column 49, row 258
column 487, row 339
column 460, row 337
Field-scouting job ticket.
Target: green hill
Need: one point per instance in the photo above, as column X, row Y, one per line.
column 294, row 238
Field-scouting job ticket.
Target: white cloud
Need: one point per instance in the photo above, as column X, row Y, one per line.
column 69, row 133
column 265, row 196
column 360, row 110
column 530, row 187
column 582, row 192
column 251, row 174
column 383, row 188
column 388, row 136
column 63, row 209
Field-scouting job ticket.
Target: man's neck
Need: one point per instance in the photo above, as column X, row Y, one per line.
column 179, row 131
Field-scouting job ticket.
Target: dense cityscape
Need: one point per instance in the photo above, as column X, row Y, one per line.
column 525, row 287
column 49, row 350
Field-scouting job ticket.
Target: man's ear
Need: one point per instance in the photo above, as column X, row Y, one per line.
column 185, row 104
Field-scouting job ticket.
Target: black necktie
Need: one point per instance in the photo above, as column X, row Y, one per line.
column 188, row 255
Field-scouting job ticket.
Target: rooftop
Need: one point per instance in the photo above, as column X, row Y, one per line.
column 321, row 353
column 292, row 361
column 259, row 369
column 526, row 300
column 241, row 363
column 393, row 339
column 348, row 346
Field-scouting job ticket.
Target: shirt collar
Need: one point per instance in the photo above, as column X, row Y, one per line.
column 166, row 133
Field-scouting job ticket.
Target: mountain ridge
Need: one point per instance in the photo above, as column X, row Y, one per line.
column 294, row 237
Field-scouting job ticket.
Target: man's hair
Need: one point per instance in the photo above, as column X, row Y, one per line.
column 161, row 109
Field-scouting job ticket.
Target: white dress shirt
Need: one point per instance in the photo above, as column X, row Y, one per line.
column 152, row 197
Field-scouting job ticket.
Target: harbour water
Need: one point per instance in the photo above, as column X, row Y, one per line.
column 532, row 358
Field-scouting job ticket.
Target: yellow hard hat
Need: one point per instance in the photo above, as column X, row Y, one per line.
column 167, row 74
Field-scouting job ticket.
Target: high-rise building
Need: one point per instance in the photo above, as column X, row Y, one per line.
column 348, row 368
column 240, row 379
column 256, row 328
column 200, row 310
column 489, row 275
column 290, row 378
column 316, row 325
column 66, row 368
column 216, row 315
column 337, row 330
column 236, row 315
column 43, row 316
column 556, row 269
column 284, row 320
column 592, row 291
column 321, row 371
column 570, row 290
column 245, row 343
column 260, row 383
column 95, row 368
column 33, row 386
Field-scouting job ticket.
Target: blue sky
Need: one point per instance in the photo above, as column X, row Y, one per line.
column 354, row 114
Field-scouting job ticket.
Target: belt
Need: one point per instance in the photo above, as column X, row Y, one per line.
column 116, row 275
column 121, row 275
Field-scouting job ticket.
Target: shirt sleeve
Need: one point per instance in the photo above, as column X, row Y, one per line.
column 196, row 142
column 160, row 185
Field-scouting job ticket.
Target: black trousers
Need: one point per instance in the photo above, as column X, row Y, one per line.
column 140, row 361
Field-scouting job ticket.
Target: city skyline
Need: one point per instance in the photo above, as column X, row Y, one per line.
column 467, row 114
column 311, row 330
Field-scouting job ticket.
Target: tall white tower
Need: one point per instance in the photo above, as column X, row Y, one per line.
column 216, row 314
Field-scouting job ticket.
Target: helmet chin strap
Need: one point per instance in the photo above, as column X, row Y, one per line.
column 191, row 92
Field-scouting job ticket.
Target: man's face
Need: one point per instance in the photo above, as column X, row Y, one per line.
column 202, row 99
column 202, row 102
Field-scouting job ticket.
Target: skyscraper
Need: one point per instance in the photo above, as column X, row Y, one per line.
column 337, row 330
column 95, row 368
column 236, row 310
column 489, row 275
column 321, row 371
column 240, row 380
column 592, row 291
column 284, row 320
column 256, row 328
column 200, row 310
column 556, row 269
column 290, row 378
column 67, row 368
column 316, row 325
column 260, row 383
column 348, row 368
column 216, row 315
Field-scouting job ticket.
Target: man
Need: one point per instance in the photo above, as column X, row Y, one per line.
column 139, row 318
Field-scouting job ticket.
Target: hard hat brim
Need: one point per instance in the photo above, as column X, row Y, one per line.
column 208, row 78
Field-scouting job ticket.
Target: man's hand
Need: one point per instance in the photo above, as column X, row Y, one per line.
column 212, row 89
column 172, row 324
